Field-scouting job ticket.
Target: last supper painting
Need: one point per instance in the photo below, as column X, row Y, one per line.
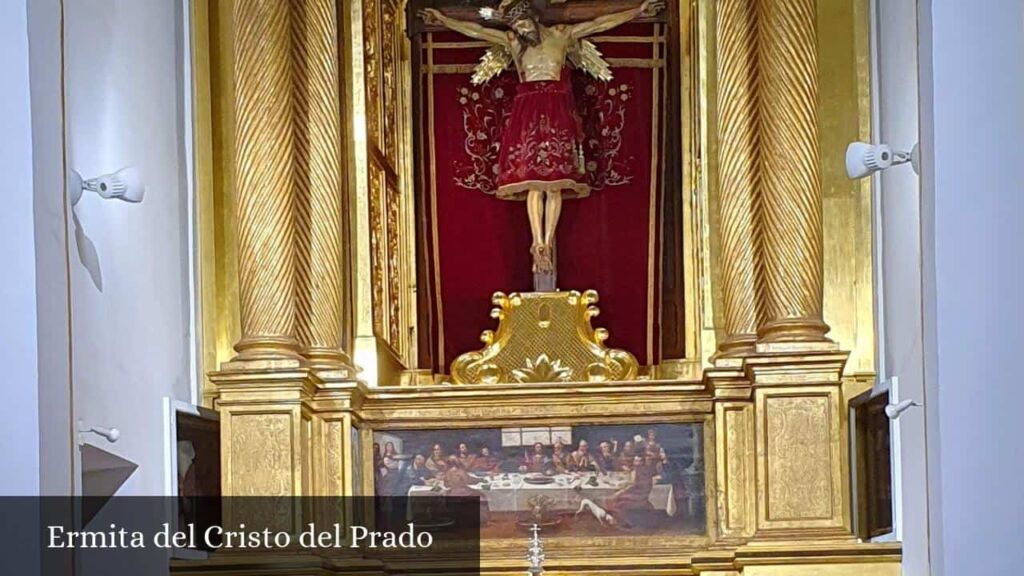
column 594, row 480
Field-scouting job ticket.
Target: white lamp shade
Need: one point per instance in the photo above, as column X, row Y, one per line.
column 863, row 159
column 125, row 184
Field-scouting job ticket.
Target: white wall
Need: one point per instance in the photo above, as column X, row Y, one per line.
column 56, row 439
column 972, row 64
column 131, row 332
column 899, row 266
column 19, row 415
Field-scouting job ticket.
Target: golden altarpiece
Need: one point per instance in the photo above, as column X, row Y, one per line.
column 308, row 153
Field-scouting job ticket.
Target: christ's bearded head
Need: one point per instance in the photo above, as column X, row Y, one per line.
column 527, row 31
column 523, row 19
column 520, row 16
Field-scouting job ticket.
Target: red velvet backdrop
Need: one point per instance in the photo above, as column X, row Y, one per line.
column 477, row 244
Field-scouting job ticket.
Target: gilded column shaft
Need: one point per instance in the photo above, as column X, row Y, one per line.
column 738, row 171
column 263, row 176
column 791, row 206
column 318, row 182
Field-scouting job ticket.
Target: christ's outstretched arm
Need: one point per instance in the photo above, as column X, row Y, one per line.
column 616, row 19
column 471, row 29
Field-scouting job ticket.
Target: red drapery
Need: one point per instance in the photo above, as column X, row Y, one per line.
column 477, row 244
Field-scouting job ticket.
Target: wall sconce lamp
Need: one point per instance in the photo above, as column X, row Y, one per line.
column 125, row 184
column 863, row 159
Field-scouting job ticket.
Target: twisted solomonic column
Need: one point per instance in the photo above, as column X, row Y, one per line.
column 318, row 183
column 738, row 170
column 790, row 207
column 263, row 177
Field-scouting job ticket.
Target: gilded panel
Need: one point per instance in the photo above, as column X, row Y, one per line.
column 306, row 428
column 844, row 116
column 735, row 452
column 799, row 449
column 334, row 457
column 259, row 454
column 372, row 70
column 799, row 455
column 387, row 157
column 378, row 255
column 332, row 468
column 393, row 248
column 391, row 34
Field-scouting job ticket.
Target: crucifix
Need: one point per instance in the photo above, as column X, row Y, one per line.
column 541, row 159
column 536, row 553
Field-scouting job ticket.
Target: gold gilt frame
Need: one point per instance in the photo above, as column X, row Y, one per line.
column 775, row 422
column 494, row 406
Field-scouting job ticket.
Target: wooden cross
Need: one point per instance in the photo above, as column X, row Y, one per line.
column 561, row 11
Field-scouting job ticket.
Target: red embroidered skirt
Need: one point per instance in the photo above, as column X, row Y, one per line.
column 541, row 143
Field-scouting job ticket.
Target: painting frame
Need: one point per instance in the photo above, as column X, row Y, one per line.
column 661, row 548
column 533, row 475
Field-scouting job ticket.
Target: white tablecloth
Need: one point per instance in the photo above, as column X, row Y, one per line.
column 511, row 493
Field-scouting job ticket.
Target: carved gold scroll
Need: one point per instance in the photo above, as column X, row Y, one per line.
column 544, row 337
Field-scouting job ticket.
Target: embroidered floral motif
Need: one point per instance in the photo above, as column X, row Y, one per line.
column 603, row 109
column 543, row 150
column 486, row 112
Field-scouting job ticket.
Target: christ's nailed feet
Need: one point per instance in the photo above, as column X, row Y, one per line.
column 541, row 258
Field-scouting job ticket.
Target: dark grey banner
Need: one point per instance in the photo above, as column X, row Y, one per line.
column 136, row 536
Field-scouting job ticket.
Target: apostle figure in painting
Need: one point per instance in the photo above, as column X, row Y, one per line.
column 541, row 159
column 606, row 458
column 625, row 459
column 411, row 474
column 667, row 471
column 466, row 458
column 389, row 459
column 486, row 463
column 560, row 458
column 630, row 505
column 458, row 483
column 633, row 499
column 650, row 443
column 378, row 464
column 437, row 463
column 386, row 463
column 581, row 460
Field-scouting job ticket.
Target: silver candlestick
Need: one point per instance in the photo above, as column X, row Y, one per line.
column 536, row 553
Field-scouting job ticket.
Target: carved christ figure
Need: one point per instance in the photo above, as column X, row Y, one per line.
column 541, row 159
